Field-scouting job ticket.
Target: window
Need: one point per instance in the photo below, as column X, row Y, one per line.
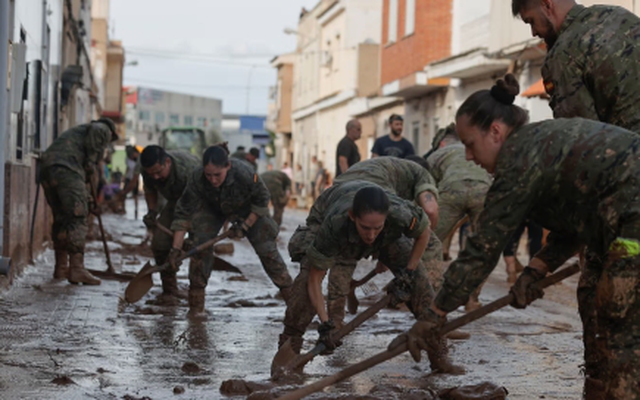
column 393, row 21
column 410, row 17
column 159, row 117
column 174, row 120
column 188, row 120
column 144, row 115
column 202, row 122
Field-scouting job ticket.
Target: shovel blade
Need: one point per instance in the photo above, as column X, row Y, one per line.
column 220, row 264
column 282, row 358
column 140, row 284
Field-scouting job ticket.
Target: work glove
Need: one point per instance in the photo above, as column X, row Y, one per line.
column 325, row 330
column 423, row 335
column 524, row 290
column 238, row 230
column 401, row 287
column 149, row 219
column 174, row 258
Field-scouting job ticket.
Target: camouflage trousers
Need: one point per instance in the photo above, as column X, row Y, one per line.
column 300, row 311
column 262, row 236
column 67, row 195
column 609, row 306
column 341, row 275
column 278, row 210
column 461, row 199
column 162, row 242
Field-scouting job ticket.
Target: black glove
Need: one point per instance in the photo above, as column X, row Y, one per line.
column 238, row 230
column 325, row 329
column 524, row 291
column 174, row 258
column 423, row 335
column 401, row 287
column 149, row 219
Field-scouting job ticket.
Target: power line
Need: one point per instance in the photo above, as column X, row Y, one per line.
column 192, row 58
column 226, row 87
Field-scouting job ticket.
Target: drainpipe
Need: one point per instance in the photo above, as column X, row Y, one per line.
column 4, row 53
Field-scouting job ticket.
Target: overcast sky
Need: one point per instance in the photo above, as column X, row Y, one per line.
column 234, row 35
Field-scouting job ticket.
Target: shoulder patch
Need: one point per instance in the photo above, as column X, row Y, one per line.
column 549, row 87
column 413, row 223
column 255, row 178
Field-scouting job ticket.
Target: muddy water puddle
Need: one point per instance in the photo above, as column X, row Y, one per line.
column 50, row 329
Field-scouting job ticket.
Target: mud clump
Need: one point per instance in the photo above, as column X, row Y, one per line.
column 250, row 304
column 191, row 368
column 130, row 397
column 63, row 380
column 178, row 390
column 224, row 248
column 238, row 278
column 238, row 387
column 481, row 391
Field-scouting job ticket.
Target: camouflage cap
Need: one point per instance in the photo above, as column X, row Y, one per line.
column 442, row 133
column 112, row 126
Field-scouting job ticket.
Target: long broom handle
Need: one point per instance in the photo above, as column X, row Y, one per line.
column 448, row 327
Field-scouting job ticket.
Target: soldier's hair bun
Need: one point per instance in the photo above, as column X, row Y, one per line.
column 505, row 90
column 224, row 146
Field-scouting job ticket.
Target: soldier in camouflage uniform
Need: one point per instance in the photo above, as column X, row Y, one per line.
column 226, row 189
column 66, row 167
column 591, row 70
column 462, row 185
column 348, row 222
column 279, row 185
column 250, row 157
column 164, row 173
column 579, row 179
column 409, row 181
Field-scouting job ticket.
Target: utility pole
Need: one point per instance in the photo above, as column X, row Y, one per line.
column 4, row 134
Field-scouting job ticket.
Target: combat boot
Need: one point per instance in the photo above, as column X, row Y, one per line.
column 196, row 302
column 170, row 286
column 77, row 272
column 474, row 301
column 61, row 270
column 295, row 341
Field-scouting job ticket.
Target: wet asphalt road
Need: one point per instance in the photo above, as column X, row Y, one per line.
column 52, row 332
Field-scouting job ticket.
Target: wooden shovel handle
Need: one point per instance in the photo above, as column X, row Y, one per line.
column 389, row 354
column 196, row 250
column 365, row 279
column 301, row 360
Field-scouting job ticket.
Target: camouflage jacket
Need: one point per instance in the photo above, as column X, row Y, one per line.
column 78, row 147
column 337, row 235
column 405, row 179
column 183, row 164
column 277, row 182
column 592, row 70
column 449, row 165
column 575, row 177
column 242, row 193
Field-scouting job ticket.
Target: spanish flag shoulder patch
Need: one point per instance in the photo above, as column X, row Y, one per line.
column 549, row 87
column 255, row 178
column 413, row 223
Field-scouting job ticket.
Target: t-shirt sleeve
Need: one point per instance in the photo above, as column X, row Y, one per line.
column 344, row 149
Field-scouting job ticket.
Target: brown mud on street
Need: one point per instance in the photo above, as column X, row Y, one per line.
column 110, row 350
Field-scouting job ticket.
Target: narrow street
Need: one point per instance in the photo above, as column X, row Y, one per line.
column 77, row 342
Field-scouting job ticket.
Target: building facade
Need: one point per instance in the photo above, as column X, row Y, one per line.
column 50, row 87
column 149, row 111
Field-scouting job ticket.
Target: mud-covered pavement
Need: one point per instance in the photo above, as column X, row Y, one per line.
column 79, row 342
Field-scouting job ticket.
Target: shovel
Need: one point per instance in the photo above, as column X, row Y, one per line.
column 352, row 300
column 94, row 194
column 143, row 281
column 448, row 327
column 286, row 360
column 219, row 264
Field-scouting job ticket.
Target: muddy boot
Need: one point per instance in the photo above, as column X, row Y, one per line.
column 77, row 273
column 336, row 310
column 196, row 302
column 440, row 362
column 61, row 270
column 474, row 301
column 296, row 342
